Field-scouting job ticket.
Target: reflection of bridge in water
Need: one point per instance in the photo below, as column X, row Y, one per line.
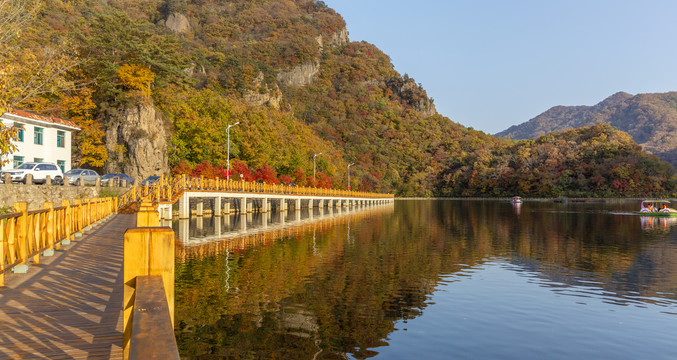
column 205, row 236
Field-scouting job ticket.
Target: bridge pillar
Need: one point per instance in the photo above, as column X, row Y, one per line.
column 243, row 205
column 283, row 205
column 249, row 205
column 297, row 205
column 217, row 225
column 217, row 206
column 184, row 207
column 165, row 212
column 226, row 207
column 310, row 204
column 200, row 208
column 265, row 207
column 243, row 221
column 226, row 222
column 200, row 223
column 184, row 229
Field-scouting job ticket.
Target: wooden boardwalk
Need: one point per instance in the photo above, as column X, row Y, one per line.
column 70, row 305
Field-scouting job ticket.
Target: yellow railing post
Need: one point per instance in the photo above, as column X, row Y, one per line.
column 147, row 216
column 68, row 219
column 21, row 231
column 148, row 251
column 50, row 227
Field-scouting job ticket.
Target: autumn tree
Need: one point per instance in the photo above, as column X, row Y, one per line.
column 266, row 174
column 88, row 143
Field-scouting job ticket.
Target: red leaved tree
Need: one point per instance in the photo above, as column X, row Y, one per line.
column 182, row 168
column 323, row 181
column 240, row 167
column 208, row 170
column 286, row 179
column 266, row 174
column 300, row 177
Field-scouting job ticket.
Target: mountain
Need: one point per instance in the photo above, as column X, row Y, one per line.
column 157, row 86
column 651, row 120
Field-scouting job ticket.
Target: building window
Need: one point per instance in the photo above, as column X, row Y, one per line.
column 37, row 136
column 61, row 164
column 60, row 138
column 38, row 160
column 18, row 160
column 19, row 132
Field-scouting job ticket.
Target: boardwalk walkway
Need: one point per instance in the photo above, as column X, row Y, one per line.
column 70, row 305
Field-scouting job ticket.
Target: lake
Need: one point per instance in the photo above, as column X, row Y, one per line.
column 430, row 279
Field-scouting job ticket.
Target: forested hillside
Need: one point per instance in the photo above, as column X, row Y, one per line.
column 597, row 160
column 651, row 120
column 155, row 84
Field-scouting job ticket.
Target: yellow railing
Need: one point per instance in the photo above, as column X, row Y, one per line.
column 148, row 304
column 168, row 190
column 25, row 234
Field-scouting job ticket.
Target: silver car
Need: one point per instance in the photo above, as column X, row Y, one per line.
column 74, row 176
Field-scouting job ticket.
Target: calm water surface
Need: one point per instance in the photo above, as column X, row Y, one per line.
column 433, row 280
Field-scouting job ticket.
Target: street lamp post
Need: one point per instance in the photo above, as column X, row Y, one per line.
column 314, row 156
column 228, row 158
column 349, row 174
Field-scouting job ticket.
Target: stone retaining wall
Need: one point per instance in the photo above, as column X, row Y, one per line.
column 37, row 195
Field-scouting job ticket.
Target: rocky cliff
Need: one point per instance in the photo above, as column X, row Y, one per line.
column 136, row 140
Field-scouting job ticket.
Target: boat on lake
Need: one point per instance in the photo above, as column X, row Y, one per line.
column 516, row 200
column 656, row 208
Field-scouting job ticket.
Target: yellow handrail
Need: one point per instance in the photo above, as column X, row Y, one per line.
column 168, row 190
column 25, row 234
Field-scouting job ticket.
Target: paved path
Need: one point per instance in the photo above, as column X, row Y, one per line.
column 70, row 305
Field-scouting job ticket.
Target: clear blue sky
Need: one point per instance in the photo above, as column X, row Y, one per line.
column 490, row 64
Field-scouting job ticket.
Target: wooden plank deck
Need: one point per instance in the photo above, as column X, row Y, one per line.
column 70, row 305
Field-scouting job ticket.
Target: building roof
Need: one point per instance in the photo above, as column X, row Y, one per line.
column 43, row 118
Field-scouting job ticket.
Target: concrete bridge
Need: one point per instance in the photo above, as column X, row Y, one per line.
column 228, row 196
column 236, row 225
column 225, row 203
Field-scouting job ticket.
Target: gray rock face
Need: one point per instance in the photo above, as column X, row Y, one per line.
column 177, row 23
column 262, row 94
column 300, row 75
column 339, row 38
column 336, row 39
column 136, row 140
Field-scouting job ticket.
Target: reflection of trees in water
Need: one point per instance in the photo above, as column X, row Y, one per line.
column 344, row 293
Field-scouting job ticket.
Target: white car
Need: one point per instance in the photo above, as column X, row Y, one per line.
column 38, row 170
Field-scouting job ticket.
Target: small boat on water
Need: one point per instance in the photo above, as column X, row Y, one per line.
column 656, row 208
column 516, row 200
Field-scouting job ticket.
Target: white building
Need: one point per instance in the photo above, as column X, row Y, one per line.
column 41, row 138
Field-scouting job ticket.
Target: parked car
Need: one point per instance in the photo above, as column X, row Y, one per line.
column 38, row 170
column 74, row 176
column 150, row 180
column 116, row 177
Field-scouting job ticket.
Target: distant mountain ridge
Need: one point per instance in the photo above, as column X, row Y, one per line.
column 651, row 120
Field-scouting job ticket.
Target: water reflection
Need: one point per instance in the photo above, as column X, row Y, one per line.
column 350, row 287
column 517, row 207
column 653, row 223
